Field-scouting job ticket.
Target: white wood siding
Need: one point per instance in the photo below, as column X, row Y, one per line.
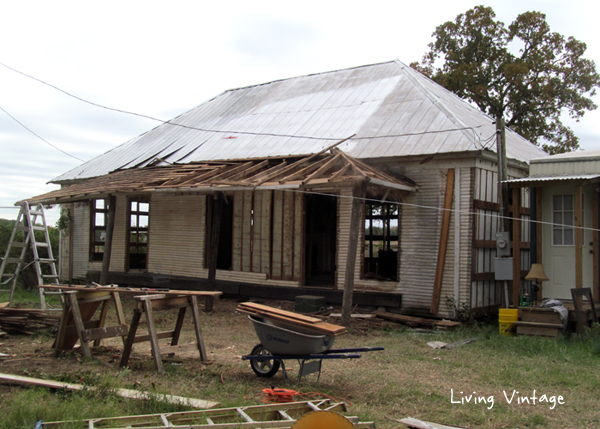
column 176, row 240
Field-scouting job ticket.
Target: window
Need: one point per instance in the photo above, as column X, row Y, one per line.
column 139, row 217
column 381, row 241
column 99, row 213
column 563, row 220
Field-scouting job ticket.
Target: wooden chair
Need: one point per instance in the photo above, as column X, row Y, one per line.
column 150, row 303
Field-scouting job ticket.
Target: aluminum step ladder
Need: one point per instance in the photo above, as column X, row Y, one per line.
column 29, row 220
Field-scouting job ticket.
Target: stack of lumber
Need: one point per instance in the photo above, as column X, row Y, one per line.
column 291, row 318
column 416, row 321
column 15, row 320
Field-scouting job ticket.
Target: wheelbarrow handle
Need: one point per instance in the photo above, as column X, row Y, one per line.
column 354, row 350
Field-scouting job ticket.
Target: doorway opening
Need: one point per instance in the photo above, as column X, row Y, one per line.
column 320, row 240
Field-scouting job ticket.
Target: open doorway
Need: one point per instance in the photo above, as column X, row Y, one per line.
column 225, row 252
column 320, row 240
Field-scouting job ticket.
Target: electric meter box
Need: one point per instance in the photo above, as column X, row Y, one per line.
column 502, row 244
column 503, row 268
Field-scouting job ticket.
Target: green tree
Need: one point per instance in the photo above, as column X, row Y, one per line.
column 531, row 89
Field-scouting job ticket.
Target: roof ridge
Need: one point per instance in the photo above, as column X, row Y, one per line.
column 410, row 74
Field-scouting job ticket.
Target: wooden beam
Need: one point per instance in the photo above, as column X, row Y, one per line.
column 110, row 227
column 358, row 195
column 578, row 236
column 439, row 270
column 516, row 240
column 539, row 230
column 124, row 393
column 596, row 247
column 213, row 251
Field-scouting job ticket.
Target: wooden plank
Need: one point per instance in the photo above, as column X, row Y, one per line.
column 402, row 318
column 516, row 240
column 439, row 271
column 272, row 310
column 237, row 231
column 197, row 330
column 596, row 246
column 579, row 236
column 265, row 235
column 106, row 332
column 358, row 195
column 288, row 236
column 124, row 393
column 276, row 268
column 257, row 231
column 298, row 237
column 246, row 264
column 133, row 291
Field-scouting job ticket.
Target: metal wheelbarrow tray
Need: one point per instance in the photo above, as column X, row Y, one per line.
column 279, row 342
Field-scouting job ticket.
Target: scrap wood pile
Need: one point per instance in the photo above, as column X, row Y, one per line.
column 416, row 321
column 291, row 318
column 15, row 320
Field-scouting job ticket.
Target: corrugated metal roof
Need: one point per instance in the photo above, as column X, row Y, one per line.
column 552, row 178
column 392, row 109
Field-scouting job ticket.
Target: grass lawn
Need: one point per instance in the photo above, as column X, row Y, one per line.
column 482, row 384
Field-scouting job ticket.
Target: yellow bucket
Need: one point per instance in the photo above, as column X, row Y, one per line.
column 507, row 319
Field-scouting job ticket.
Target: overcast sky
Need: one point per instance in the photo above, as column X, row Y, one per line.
column 163, row 58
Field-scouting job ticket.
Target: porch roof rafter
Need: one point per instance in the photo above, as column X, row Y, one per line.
column 331, row 168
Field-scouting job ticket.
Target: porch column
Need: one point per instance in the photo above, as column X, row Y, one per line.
column 539, row 231
column 516, row 221
column 110, row 226
column 578, row 236
column 213, row 252
column 596, row 247
column 358, row 196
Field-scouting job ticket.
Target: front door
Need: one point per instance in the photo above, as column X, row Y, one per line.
column 558, row 240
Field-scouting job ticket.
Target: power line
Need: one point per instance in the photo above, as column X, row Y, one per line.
column 441, row 209
column 230, row 131
column 38, row 136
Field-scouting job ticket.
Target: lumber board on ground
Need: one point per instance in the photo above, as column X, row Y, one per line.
column 124, row 393
column 448, row 324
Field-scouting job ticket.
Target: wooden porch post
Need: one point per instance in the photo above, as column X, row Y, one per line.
column 596, row 247
column 358, row 195
column 441, row 260
column 213, row 251
column 516, row 221
column 110, row 226
column 578, row 236
column 539, row 231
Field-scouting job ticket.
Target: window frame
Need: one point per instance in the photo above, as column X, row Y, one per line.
column 560, row 226
column 389, row 213
column 95, row 242
column 136, row 264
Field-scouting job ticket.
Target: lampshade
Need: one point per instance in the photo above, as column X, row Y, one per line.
column 537, row 273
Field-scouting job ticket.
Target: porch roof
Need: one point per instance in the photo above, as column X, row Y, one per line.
column 328, row 168
column 537, row 181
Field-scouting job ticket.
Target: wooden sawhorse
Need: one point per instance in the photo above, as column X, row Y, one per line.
column 150, row 303
column 76, row 323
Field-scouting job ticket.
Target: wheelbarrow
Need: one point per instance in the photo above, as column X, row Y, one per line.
column 280, row 342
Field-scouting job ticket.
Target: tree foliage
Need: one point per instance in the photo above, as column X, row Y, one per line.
column 531, row 89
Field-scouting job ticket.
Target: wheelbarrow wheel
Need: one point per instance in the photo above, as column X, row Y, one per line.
column 266, row 367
